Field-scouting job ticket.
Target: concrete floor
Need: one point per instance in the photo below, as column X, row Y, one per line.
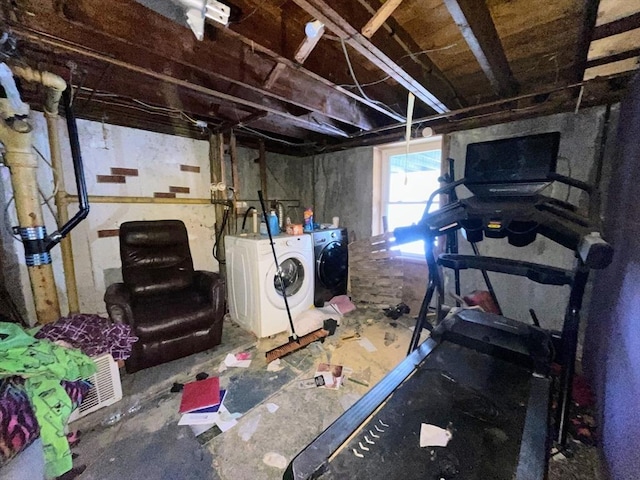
column 138, row 437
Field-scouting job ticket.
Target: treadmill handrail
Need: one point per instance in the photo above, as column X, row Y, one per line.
column 536, row 272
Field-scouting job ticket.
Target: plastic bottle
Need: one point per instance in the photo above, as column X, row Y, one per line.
column 273, row 223
column 308, row 220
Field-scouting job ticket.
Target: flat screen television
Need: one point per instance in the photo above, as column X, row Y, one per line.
column 518, row 166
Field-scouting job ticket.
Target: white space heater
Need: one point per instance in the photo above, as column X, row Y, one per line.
column 106, row 388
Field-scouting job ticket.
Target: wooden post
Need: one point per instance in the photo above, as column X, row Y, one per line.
column 235, row 180
column 63, row 214
column 262, row 159
column 216, row 162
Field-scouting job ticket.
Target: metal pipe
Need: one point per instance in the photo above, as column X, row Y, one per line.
column 54, row 83
column 23, row 165
column 78, row 170
column 116, row 199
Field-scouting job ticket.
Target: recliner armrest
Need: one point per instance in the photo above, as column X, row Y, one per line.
column 212, row 286
column 118, row 301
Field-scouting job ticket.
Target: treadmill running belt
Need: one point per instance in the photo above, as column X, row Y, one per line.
column 482, row 399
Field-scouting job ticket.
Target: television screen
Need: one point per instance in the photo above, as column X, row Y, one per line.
column 512, row 160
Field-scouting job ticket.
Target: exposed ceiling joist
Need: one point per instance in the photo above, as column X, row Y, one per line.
column 320, row 10
column 284, row 62
column 477, row 27
column 588, row 24
column 635, row 52
column 225, row 58
column 306, row 121
column 618, row 26
column 380, row 17
column 226, row 126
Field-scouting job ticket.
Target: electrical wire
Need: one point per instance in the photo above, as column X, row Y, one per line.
column 285, row 142
column 225, row 217
column 411, row 55
column 149, row 108
column 5, row 222
column 353, row 76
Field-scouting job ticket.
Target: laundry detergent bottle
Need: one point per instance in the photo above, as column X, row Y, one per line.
column 273, row 223
column 308, row 220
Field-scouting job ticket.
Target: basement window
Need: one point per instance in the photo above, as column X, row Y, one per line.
column 406, row 178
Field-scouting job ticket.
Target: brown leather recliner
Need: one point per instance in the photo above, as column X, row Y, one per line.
column 174, row 310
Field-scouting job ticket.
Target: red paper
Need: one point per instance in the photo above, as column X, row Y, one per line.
column 200, row 394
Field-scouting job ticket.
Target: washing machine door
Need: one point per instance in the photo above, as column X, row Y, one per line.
column 332, row 265
column 295, row 281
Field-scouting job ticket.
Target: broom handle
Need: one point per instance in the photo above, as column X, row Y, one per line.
column 275, row 259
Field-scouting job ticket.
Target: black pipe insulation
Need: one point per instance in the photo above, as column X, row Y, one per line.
column 78, row 170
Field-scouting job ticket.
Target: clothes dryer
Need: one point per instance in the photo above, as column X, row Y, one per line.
column 256, row 301
column 331, row 255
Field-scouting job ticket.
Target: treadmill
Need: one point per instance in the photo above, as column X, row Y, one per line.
column 484, row 378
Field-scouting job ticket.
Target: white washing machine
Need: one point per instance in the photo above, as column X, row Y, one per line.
column 255, row 294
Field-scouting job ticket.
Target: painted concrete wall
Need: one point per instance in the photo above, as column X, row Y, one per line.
column 343, row 188
column 289, row 179
column 613, row 332
column 157, row 158
column 580, row 137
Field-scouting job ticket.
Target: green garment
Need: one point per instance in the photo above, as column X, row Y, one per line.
column 43, row 365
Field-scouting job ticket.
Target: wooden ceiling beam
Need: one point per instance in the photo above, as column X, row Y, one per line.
column 311, row 121
column 613, row 58
column 168, row 47
column 380, row 17
column 617, row 26
column 477, row 27
column 590, row 16
column 320, row 10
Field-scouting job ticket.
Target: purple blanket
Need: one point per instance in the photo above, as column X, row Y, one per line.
column 92, row 334
column 18, row 424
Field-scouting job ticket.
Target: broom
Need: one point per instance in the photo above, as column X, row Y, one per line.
column 295, row 342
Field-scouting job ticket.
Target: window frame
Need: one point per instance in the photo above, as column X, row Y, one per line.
column 381, row 157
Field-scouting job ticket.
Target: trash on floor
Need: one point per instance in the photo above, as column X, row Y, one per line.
column 202, row 416
column 274, row 366
column 389, row 338
column 200, row 394
column 239, row 360
column 272, row 407
column 434, row 436
column 397, row 311
column 307, row 383
column 365, row 343
column 361, row 378
column 249, row 427
column 342, row 304
column 329, row 376
column 275, row 460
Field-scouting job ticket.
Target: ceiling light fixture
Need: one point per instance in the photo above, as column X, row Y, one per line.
column 198, row 10
column 314, row 28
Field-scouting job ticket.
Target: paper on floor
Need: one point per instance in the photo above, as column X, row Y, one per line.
column 434, row 436
column 272, row 407
column 241, row 360
column 275, row 366
column 365, row 343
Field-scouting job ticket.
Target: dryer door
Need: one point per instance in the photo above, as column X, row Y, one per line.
column 295, row 281
column 332, row 265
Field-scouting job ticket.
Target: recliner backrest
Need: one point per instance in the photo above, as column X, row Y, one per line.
column 155, row 256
